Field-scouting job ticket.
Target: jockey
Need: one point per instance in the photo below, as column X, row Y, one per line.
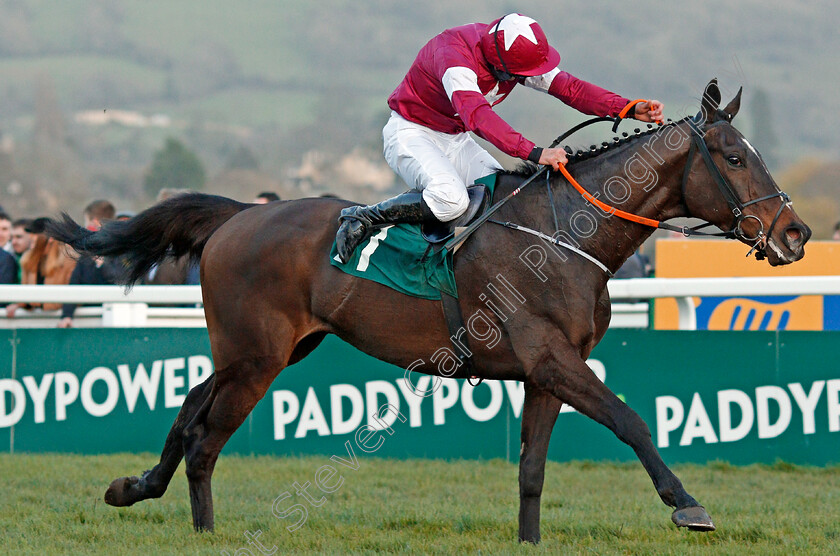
column 450, row 89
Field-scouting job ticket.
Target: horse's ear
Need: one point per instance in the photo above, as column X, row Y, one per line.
column 732, row 108
column 711, row 101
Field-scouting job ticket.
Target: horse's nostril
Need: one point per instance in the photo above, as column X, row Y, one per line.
column 796, row 236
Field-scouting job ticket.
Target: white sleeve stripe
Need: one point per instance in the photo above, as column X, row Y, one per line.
column 459, row 78
column 542, row 82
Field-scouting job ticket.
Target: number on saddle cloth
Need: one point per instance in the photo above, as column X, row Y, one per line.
column 439, row 232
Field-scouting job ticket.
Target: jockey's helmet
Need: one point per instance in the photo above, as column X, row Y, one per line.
column 516, row 45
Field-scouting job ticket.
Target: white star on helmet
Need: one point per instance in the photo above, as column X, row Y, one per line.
column 514, row 26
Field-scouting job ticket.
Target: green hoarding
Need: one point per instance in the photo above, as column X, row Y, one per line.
column 743, row 397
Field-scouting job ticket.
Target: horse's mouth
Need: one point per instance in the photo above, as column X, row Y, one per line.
column 792, row 249
column 788, row 245
column 778, row 257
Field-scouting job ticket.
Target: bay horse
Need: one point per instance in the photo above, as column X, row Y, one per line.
column 271, row 294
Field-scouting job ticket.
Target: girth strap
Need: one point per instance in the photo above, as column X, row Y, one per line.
column 458, row 333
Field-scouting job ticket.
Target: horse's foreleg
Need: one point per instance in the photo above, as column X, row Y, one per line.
column 574, row 383
column 236, row 391
column 538, row 417
column 125, row 491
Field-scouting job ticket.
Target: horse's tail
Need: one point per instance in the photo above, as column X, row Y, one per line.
column 175, row 227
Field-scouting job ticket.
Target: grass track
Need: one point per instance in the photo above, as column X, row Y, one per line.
column 52, row 504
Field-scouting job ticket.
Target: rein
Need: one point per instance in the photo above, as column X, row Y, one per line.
column 468, row 231
column 735, row 204
column 698, row 145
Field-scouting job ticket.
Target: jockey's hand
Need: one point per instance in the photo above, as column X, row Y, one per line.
column 650, row 111
column 554, row 158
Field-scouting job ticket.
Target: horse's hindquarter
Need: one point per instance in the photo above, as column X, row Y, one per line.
column 256, row 274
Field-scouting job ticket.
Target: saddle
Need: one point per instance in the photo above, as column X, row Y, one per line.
column 439, row 232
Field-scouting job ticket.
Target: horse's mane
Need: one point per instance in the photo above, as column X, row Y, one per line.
column 526, row 168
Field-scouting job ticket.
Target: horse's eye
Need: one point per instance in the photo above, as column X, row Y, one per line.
column 734, row 160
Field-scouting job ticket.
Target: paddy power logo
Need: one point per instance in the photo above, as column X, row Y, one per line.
column 340, row 410
column 343, row 409
column 766, row 411
column 100, row 390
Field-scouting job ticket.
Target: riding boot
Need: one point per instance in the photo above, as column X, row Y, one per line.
column 358, row 223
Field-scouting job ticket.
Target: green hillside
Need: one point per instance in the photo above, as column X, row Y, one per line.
column 284, row 78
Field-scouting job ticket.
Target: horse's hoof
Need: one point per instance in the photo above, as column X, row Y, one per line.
column 693, row 517
column 120, row 490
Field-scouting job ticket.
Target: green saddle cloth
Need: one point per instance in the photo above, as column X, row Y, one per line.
column 399, row 257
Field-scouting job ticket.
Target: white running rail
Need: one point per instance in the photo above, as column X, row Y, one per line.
column 152, row 305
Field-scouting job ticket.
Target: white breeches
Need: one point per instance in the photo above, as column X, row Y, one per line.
column 439, row 164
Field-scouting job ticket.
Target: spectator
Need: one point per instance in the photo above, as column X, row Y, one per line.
column 637, row 266
column 836, row 235
column 5, row 232
column 266, row 197
column 9, row 267
column 9, row 273
column 98, row 212
column 21, row 241
column 126, row 215
column 92, row 271
column 180, row 271
column 47, row 261
column 172, row 271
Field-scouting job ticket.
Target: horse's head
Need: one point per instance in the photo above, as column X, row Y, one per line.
column 729, row 185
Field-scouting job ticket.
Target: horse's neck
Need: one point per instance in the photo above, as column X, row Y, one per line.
column 651, row 168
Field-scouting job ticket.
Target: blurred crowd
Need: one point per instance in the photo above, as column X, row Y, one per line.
column 29, row 257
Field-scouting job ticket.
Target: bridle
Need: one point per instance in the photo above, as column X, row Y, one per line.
column 698, row 145
column 736, row 231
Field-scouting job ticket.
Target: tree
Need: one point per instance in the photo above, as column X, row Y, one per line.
column 50, row 129
column 764, row 134
column 175, row 167
column 242, row 159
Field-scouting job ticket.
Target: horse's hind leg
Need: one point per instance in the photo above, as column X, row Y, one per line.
column 237, row 390
column 538, row 417
column 125, row 491
column 574, row 383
